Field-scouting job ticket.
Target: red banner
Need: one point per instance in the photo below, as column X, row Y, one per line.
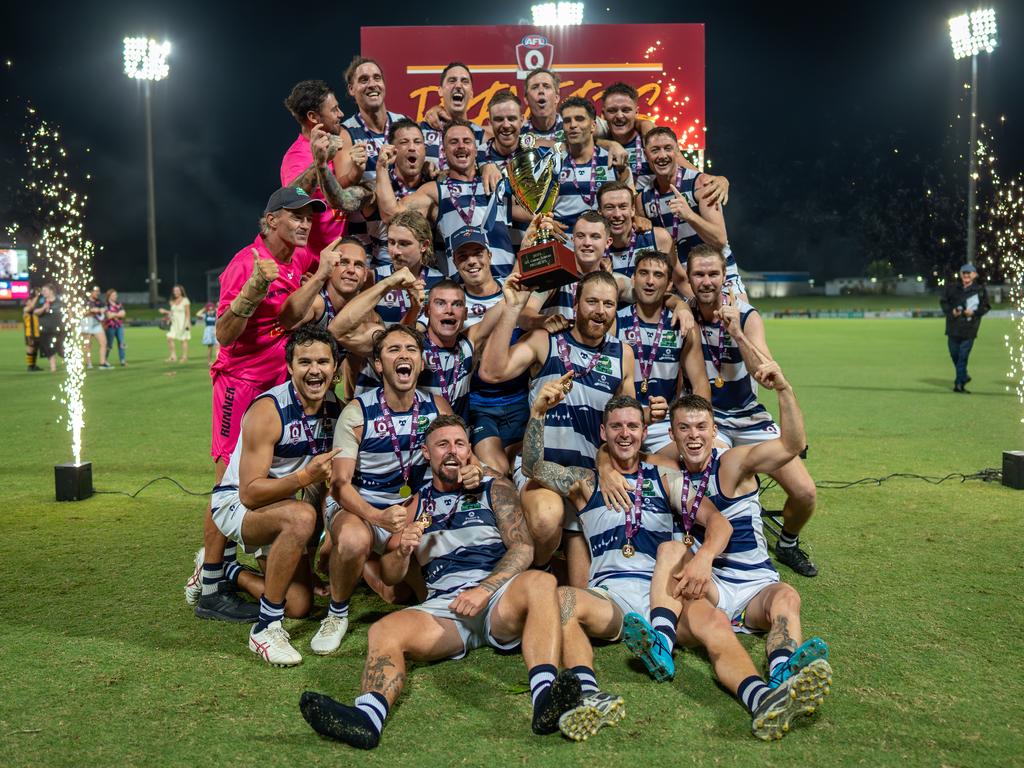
column 664, row 62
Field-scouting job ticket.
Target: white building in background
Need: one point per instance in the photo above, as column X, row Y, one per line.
column 773, row 285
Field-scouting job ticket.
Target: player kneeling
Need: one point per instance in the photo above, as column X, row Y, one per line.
column 700, row 602
column 474, row 549
column 284, row 449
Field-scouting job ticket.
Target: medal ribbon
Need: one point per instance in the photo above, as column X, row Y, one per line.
column 633, row 520
column 453, row 195
column 389, row 424
column 588, row 198
column 689, row 515
column 647, row 365
column 563, row 353
column 434, row 360
column 716, row 354
column 328, row 306
column 638, row 154
column 675, row 219
column 371, row 150
column 307, row 430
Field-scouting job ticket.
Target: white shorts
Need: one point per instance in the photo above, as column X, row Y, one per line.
column 630, row 595
column 475, row 631
column 380, row 536
column 90, row 325
column 657, row 436
column 758, row 428
column 228, row 513
column 570, row 519
column 733, row 598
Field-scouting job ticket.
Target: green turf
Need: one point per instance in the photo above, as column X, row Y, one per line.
column 920, row 593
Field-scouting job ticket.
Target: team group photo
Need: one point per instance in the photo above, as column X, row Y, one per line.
column 499, row 439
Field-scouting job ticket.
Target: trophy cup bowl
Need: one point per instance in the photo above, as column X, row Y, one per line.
column 533, row 176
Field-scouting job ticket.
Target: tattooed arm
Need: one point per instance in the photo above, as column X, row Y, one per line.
column 575, row 483
column 307, row 180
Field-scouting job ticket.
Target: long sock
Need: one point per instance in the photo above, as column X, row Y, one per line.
column 588, row 682
column 269, row 613
column 231, row 571
column 213, row 574
column 664, row 621
column 787, row 539
column 338, row 610
column 541, row 677
column 375, row 707
column 751, row 691
column 777, row 658
column 230, row 552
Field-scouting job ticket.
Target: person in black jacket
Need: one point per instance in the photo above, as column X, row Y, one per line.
column 964, row 302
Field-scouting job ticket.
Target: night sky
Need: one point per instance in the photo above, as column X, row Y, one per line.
column 799, row 105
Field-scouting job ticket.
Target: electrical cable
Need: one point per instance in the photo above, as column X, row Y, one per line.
column 154, row 480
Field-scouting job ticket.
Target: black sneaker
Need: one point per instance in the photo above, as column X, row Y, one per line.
column 227, row 605
column 796, row 559
column 337, row 721
column 801, row 694
column 34, row 368
column 564, row 694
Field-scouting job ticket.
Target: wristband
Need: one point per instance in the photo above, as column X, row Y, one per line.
column 242, row 307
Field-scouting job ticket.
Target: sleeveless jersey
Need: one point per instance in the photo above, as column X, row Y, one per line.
column 624, row 259
column 471, row 207
column 477, row 306
column 663, row 378
column 378, row 473
column 293, row 450
column 462, row 545
column 395, row 303
column 435, row 155
column 643, row 174
column 555, row 133
column 483, row 394
column 737, row 397
column 562, row 301
column 378, row 232
column 359, row 131
column 745, row 559
column 605, row 530
column 572, row 429
column 578, row 185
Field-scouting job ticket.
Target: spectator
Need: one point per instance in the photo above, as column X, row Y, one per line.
column 92, row 328
column 51, row 335
column 180, row 315
column 208, row 314
column 964, row 302
column 30, row 319
column 113, row 324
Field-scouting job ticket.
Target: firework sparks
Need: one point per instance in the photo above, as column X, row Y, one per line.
column 63, row 255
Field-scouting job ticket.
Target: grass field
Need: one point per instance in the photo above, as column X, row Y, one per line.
column 920, row 593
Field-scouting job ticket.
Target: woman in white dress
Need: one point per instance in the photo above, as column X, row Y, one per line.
column 92, row 327
column 180, row 314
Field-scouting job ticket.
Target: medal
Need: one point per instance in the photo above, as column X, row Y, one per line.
column 567, row 387
column 643, row 386
column 646, row 362
column 628, row 550
column 425, row 521
column 719, row 382
column 405, row 491
column 715, row 355
column 589, row 197
column 688, row 540
column 633, row 520
column 689, row 513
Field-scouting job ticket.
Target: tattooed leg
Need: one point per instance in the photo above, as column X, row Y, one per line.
column 777, row 610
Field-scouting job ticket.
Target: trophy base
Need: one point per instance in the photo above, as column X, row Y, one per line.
column 548, row 265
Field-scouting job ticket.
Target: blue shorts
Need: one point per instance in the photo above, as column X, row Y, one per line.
column 506, row 422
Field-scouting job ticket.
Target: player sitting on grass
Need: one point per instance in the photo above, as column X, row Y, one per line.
column 284, row 449
column 474, row 549
column 622, row 547
column 744, row 593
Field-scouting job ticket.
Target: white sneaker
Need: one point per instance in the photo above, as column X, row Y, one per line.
column 329, row 636
column 272, row 644
column 194, row 585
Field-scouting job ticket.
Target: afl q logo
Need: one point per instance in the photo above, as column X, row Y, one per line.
column 534, row 52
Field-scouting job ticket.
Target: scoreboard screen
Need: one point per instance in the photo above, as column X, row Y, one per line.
column 14, row 285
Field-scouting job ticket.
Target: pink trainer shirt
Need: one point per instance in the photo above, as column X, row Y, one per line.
column 257, row 356
column 329, row 225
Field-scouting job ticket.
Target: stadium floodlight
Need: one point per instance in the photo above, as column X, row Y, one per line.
column 970, row 34
column 145, row 60
column 557, row 14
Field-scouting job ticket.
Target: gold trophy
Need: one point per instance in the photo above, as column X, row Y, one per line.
column 533, row 174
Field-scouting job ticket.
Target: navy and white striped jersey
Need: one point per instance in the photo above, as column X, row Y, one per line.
column 605, row 530
column 359, row 131
column 378, row 230
column 378, row 473
column 745, row 559
column 655, row 206
column 663, row 379
column 578, row 185
column 462, row 545
column 395, row 303
column 472, row 207
column 435, row 154
column 491, row 155
column 477, row 306
column 555, row 133
column 292, row 451
column 643, row 174
column 737, row 397
column 502, row 394
column 624, row 259
column 562, row 301
column 572, row 429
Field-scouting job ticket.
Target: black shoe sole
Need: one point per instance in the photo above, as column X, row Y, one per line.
column 565, row 694
column 328, row 718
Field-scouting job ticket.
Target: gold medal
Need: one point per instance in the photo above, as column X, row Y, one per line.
column 643, row 386
column 628, row 550
column 688, row 540
column 719, row 382
column 425, row 521
column 567, row 387
column 405, row 491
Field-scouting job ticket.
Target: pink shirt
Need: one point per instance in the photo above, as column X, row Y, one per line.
column 329, row 225
column 257, row 355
